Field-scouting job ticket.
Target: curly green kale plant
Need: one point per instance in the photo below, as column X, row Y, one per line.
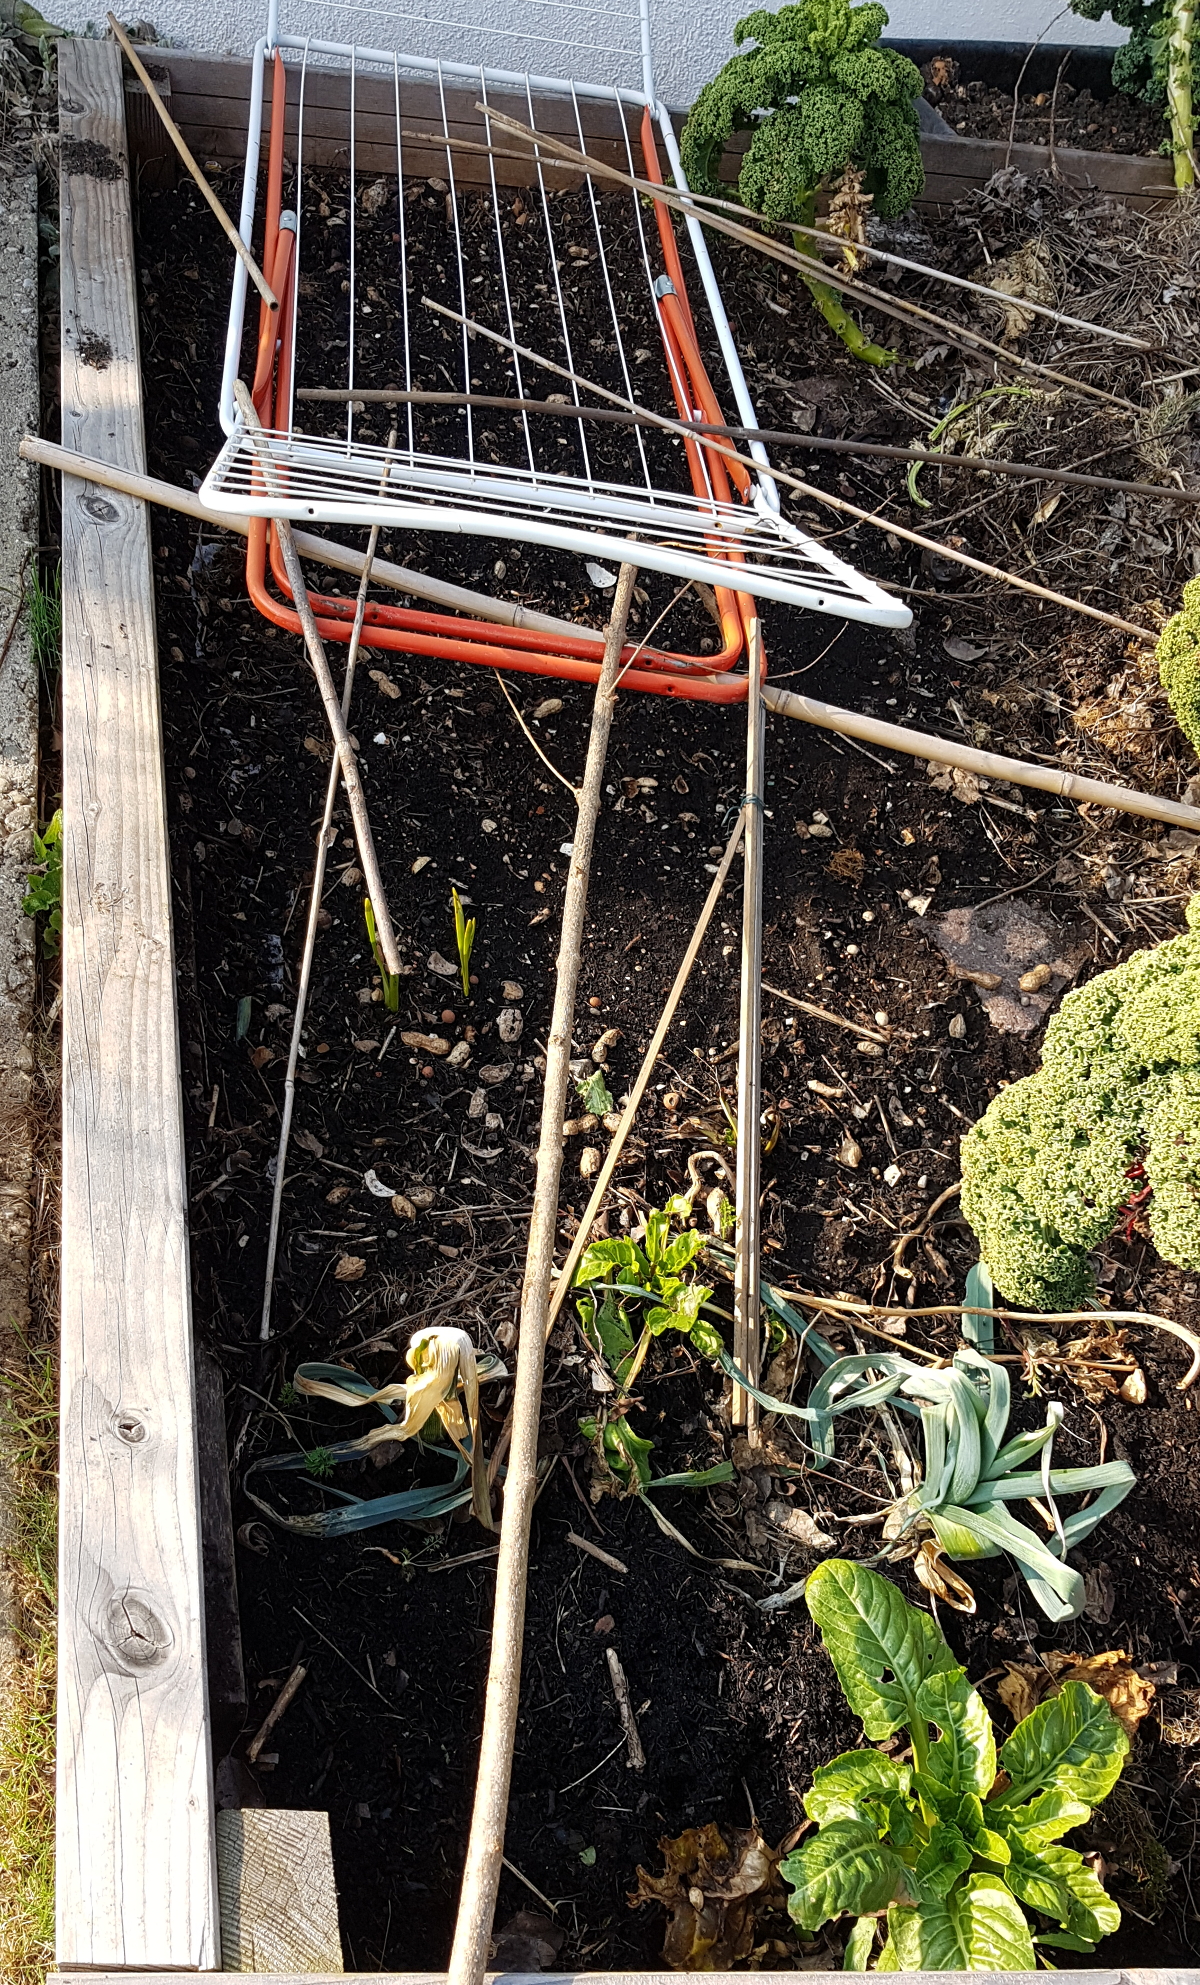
column 1156, row 64
column 1178, row 658
column 945, row 1854
column 819, row 95
column 1112, row 1115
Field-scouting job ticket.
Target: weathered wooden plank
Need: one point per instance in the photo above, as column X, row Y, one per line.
column 278, row 1900
column 136, row 1862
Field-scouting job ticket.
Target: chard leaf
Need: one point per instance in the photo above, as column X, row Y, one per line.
column 940, row 1864
column 1071, row 1743
column 1064, row 1941
column 966, row 1811
column 1055, row 1881
column 840, row 1788
column 683, row 1251
column 844, row 1867
column 611, row 1326
column 964, row 1756
column 858, row 1945
column 1045, row 1818
column 887, row 1959
column 979, row 1926
column 869, row 1629
column 603, row 1255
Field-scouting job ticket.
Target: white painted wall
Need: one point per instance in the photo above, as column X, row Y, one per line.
column 691, row 37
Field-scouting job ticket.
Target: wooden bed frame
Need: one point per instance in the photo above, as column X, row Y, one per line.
column 139, row 1837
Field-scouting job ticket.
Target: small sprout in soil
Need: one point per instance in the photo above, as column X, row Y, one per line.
column 390, row 981
column 43, row 896
column 943, row 1853
column 464, row 938
column 319, row 1462
column 595, row 1094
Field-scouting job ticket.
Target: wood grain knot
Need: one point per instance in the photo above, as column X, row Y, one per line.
column 135, row 1633
column 99, row 509
column 129, row 1428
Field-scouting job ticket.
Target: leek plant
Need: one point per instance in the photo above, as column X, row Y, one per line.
column 390, row 981
column 464, row 938
column 447, row 1372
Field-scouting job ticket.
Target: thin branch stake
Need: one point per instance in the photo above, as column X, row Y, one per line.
column 329, row 696
column 485, row 1848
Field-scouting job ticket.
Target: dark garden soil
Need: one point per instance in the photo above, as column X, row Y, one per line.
column 1059, row 115
column 740, row 1706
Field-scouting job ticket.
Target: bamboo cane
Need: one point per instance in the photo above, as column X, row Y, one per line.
column 181, row 146
column 827, row 716
column 749, row 1141
column 485, row 1848
column 342, row 558
column 796, row 484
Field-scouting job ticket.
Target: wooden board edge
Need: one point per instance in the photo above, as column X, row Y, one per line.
column 136, row 1867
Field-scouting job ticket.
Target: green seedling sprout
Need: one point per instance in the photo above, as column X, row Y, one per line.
column 390, row 981
column 464, row 938
column 43, row 897
column 943, row 1848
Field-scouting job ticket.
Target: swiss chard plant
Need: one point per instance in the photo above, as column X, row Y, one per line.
column 618, row 1282
column 947, row 1850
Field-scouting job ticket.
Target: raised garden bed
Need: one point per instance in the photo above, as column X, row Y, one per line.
column 392, row 1626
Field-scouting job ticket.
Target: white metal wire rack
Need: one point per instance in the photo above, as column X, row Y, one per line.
column 565, row 268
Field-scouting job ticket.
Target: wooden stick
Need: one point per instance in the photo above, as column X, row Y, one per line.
column 829, row 716
column 286, row 1695
column 775, row 437
column 636, row 1760
column 343, row 558
column 795, row 483
column 806, row 1005
column 324, row 838
column 181, row 146
column 989, row 764
column 746, row 1321
column 700, row 204
column 329, row 696
column 594, row 1551
column 485, row 1848
column 807, row 264
column 575, row 1251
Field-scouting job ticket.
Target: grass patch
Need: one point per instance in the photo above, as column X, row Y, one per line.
column 43, row 606
column 28, row 1430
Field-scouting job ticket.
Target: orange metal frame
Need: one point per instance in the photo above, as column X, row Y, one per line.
column 408, row 630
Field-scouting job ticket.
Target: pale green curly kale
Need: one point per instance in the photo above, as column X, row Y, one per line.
column 1178, row 657
column 1114, row 1108
column 818, row 94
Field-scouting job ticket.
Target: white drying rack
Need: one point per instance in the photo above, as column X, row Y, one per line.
column 589, row 299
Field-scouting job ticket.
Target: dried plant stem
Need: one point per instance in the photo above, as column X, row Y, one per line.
column 286, row 1695
column 485, row 1848
column 808, row 265
column 795, row 483
column 775, row 437
column 747, row 1334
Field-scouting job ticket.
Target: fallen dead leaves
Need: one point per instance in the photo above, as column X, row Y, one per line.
column 717, row 1884
column 1112, row 1675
